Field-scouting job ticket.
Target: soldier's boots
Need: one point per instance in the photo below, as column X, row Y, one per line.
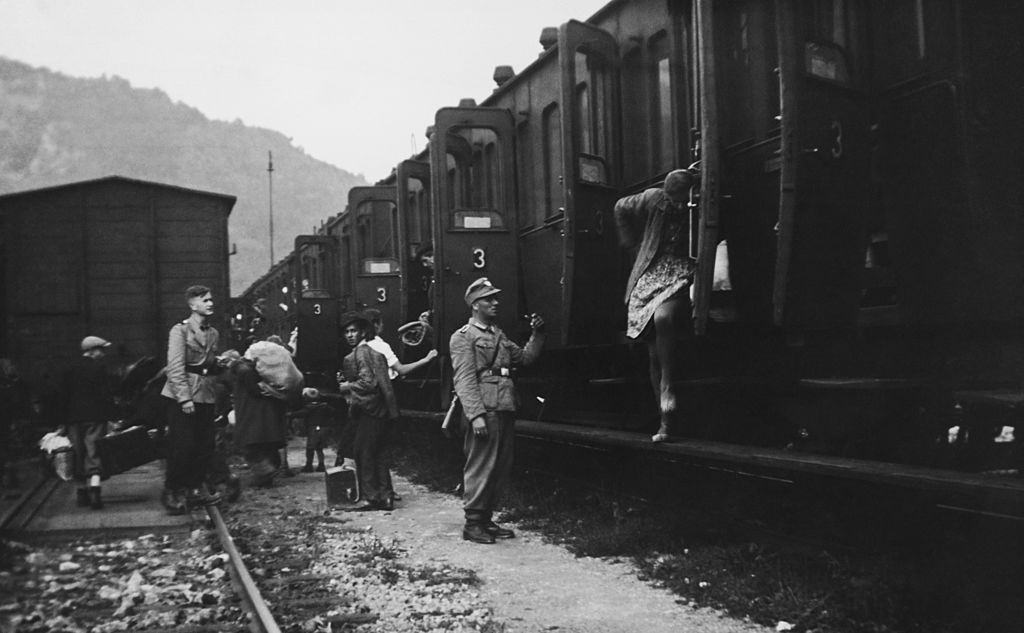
column 198, row 497
column 476, row 533
column 230, row 489
column 497, row 531
column 82, row 498
column 174, row 502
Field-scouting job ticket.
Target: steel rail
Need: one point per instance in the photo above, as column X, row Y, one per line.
column 41, row 490
column 263, row 622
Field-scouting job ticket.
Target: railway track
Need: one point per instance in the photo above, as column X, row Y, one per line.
column 271, row 589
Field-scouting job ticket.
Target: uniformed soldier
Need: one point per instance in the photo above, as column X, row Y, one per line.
column 482, row 359
column 191, row 370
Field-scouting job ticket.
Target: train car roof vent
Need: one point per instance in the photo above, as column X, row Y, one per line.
column 549, row 36
column 503, row 74
column 467, row 103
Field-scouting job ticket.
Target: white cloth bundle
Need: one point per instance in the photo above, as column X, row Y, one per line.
column 275, row 366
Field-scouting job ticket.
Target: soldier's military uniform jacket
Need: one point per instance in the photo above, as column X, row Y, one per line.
column 481, row 386
column 191, row 362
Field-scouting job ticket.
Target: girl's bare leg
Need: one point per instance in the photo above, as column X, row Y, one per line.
column 667, row 319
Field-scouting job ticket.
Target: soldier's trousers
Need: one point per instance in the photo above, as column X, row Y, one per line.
column 192, row 457
column 83, row 436
column 488, row 465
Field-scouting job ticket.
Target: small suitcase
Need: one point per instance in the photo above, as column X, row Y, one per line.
column 342, row 486
column 125, row 450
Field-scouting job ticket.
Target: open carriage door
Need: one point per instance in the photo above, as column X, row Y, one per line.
column 413, row 183
column 591, row 291
column 707, row 236
column 375, row 257
column 317, row 310
column 472, row 187
column 824, row 164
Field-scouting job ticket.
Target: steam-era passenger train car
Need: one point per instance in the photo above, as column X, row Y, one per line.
column 857, row 228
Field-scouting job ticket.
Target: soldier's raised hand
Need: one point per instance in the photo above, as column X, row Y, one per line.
column 536, row 322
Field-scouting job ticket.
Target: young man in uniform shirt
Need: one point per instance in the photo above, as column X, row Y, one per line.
column 482, row 358
column 191, row 369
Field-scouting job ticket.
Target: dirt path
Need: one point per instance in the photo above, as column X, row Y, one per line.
column 530, row 585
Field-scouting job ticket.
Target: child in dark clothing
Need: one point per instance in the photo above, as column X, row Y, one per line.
column 319, row 418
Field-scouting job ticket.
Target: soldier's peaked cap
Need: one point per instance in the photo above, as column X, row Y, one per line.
column 479, row 289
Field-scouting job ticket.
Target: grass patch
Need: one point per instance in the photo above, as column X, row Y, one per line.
column 710, row 561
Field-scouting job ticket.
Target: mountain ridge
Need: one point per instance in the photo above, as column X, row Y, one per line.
column 56, row 129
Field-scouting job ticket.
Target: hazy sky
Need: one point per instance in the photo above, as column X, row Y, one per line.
column 353, row 83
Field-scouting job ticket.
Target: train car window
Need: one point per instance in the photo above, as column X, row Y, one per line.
column 832, row 50
column 747, row 61
column 662, row 125
column 377, row 237
column 474, row 176
column 524, row 175
column 413, row 201
column 345, row 267
column 490, row 158
column 554, row 198
column 584, row 130
column 311, row 275
column 635, row 117
column 592, row 111
column 911, row 38
column 452, row 182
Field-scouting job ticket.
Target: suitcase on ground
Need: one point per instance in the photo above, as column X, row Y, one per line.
column 342, row 486
column 125, row 450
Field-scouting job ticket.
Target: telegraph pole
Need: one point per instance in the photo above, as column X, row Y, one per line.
column 270, row 183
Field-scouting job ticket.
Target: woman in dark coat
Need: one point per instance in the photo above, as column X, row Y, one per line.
column 259, row 430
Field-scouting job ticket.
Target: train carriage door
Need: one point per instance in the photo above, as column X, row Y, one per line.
column 707, row 234
column 317, row 309
column 592, row 288
column 413, row 182
column 375, row 256
column 824, row 163
column 471, row 169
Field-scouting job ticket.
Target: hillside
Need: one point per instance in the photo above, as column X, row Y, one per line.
column 56, row 129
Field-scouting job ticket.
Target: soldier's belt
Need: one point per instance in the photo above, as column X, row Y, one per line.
column 506, row 372
column 202, row 370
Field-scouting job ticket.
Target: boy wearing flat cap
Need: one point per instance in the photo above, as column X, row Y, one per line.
column 482, row 360
column 88, row 391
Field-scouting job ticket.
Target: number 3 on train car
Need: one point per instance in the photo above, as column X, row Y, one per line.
column 376, row 255
column 473, row 189
column 825, row 164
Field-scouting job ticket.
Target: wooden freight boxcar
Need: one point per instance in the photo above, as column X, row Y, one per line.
column 109, row 257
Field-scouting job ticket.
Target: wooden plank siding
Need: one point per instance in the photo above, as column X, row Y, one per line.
column 110, row 257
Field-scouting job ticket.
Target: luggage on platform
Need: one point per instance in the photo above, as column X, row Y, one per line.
column 342, row 486
column 125, row 450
